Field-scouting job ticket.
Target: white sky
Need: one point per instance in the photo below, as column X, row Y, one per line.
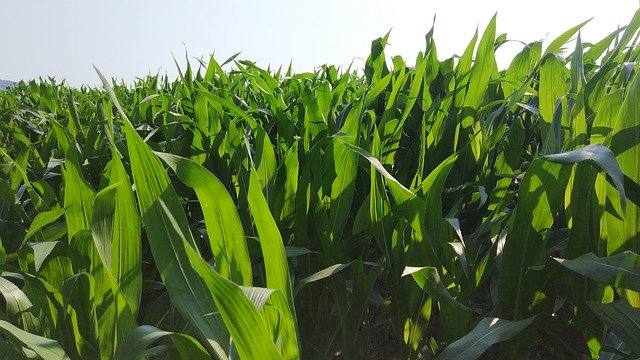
column 128, row 39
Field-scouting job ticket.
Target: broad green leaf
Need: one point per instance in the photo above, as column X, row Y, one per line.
column 377, row 88
column 41, row 220
column 224, row 228
column 552, row 89
column 247, row 327
column 489, row 331
column 539, row 197
column 438, row 229
column 169, row 238
column 18, row 307
column 345, row 167
column 621, row 270
column 125, row 243
column 78, row 294
column 379, row 208
column 483, row 67
column 390, row 125
column 464, row 65
column 104, row 207
column 115, row 315
column 78, row 195
column 275, row 259
column 623, row 142
column 599, row 155
column 375, row 66
column 428, row 279
column 271, row 243
column 608, row 108
column 460, row 316
column 319, row 275
column 623, row 319
column 521, row 66
column 46, row 348
column 142, row 337
column 42, row 251
column 290, row 170
column 274, row 307
column 264, row 159
column 557, row 43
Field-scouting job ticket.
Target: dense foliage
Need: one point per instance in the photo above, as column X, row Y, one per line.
column 445, row 210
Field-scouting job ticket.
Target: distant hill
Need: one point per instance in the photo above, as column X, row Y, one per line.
column 5, row 84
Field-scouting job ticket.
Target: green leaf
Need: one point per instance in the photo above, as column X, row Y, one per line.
column 136, row 344
column 18, row 306
column 600, row 156
column 169, row 238
column 489, row 331
column 78, row 195
column 46, row 348
column 552, row 90
column 274, row 307
column 623, row 142
column 319, row 275
column 271, row 243
column 41, row 220
column 224, row 228
column 200, row 294
column 413, row 208
column 428, row 279
column 483, row 67
column 623, row 319
column 521, row 67
column 42, row 251
column 275, row 258
column 124, row 245
column 375, row 66
column 621, row 270
column 287, row 193
column 556, row 45
column 115, row 315
column 293, row 251
column 247, row 327
column 78, row 294
column 345, row 168
column 539, row 197
column 104, row 208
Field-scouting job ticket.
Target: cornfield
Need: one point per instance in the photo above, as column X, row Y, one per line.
column 445, row 210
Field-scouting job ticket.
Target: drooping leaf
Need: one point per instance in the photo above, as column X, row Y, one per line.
column 46, row 348
column 224, row 228
column 599, row 155
column 428, row 279
column 489, row 331
column 623, row 319
column 136, row 344
column 621, row 270
column 18, row 307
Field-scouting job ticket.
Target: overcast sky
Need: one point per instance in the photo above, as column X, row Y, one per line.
column 129, row 39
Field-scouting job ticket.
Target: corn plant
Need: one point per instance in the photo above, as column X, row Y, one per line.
column 444, row 210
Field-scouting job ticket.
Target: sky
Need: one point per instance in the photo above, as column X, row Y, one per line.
column 134, row 38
